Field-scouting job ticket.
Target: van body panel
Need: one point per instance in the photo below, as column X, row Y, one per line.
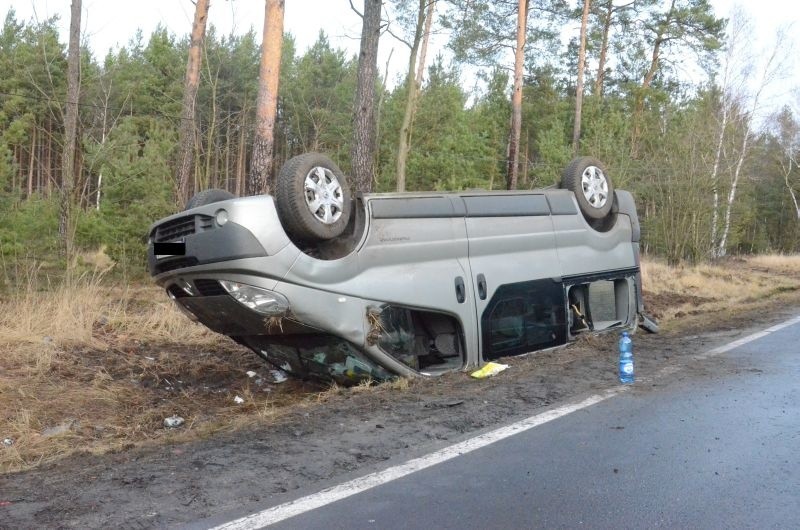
column 580, row 248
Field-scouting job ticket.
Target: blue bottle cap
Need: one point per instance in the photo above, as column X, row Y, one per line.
column 624, row 333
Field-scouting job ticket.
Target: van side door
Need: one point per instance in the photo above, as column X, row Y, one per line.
column 514, row 267
column 415, row 258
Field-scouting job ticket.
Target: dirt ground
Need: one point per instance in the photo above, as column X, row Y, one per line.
column 342, row 433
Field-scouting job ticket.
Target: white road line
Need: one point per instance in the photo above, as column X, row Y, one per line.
column 355, row 486
column 750, row 338
column 342, row 491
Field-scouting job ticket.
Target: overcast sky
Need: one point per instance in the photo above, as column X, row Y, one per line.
column 111, row 23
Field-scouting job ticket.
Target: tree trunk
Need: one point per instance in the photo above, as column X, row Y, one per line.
column 722, row 249
column 65, row 221
column 362, row 150
column 576, row 129
column 48, row 177
column 525, row 160
column 516, row 98
column 381, row 97
column 31, row 162
column 211, row 136
column 601, row 61
column 638, row 110
column 102, row 148
column 186, row 140
column 267, row 100
column 227, row 162
column 768, row 75
column 792, row 194
column 715, row 178
column 413, row 82
column 794, row 201
column 726, row 109
column 241, row 158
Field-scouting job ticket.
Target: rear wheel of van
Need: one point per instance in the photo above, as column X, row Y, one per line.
column 312, row 198
column 587, row 178
column 208, row 197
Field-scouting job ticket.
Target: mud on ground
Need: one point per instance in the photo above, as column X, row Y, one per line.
column 343, row 433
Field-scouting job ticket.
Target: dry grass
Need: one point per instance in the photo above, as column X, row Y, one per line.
column 782, row 263
column 70, row 315
column 674, row 292
column 96, row 367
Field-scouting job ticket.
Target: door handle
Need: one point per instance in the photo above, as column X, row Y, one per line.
column 461, row 293
column 481, row 286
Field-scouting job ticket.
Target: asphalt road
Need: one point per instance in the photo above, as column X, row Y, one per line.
column 702, row 452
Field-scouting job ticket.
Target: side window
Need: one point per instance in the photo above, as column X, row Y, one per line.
column 598, row 304
column 524, row 317
column 423, row 340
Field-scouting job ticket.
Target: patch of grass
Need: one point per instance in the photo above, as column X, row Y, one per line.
column 95, row 366
column 783, row 263
column 676, row 291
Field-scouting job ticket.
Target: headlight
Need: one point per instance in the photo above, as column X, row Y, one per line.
column 259, row 300
column 221, row 217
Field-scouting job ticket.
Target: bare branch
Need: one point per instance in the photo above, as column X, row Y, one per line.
column 390, row 32
column 357, row 12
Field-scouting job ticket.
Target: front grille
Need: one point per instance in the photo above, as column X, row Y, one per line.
column 177, row 229
column 171, row 265
column 209, row 287
column 205, row 222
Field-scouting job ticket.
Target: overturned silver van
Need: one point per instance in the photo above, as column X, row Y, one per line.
column 327, row 286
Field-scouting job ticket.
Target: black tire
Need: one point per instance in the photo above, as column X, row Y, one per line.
column 588, row 179
column 208, row 197
column 297, row 192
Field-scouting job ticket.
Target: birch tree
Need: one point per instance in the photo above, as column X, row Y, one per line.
column 788, row 138
column 736, row 68
column 267, row 102
column 769, row 73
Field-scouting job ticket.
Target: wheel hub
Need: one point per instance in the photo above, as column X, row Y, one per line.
column 323, row 194
column 595, row 186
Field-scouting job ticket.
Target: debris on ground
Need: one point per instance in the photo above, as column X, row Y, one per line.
column 251, row 374
column 238, row 400
column 59, row 429
column 8, row 442
column 278, row 376
column 488, row 370
column 445, row 404
column 173, row 422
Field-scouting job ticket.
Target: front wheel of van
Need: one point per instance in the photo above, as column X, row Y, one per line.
column 312, row 198
column 588, row 179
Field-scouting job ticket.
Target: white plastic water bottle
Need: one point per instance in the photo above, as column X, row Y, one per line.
column 625, row 359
